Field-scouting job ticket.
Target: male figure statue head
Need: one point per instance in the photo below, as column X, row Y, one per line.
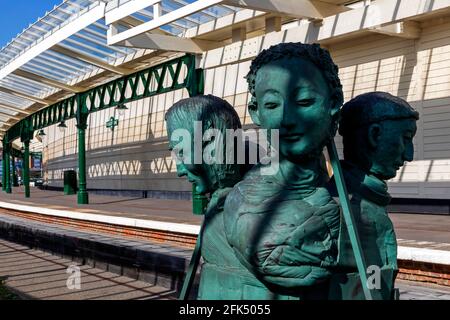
column 377, row 130
column 211, row 113
column 295, row 88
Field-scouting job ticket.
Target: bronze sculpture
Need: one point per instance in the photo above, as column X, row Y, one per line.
column 282, row 236
column 377, row 130
column 284, row 227
column 214, row 179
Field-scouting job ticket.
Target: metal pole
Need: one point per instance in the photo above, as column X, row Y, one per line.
column 199, row 202
column 82, row 115
column 83, row 197
column 26, row 167
column 7, row 171
column 193, row 266
column 3, row 168
column 349, row 219
column 14, row 172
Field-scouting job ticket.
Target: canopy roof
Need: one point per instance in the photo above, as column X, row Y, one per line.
column 60, row 54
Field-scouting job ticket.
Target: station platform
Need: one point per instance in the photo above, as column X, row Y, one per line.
column 424, row 240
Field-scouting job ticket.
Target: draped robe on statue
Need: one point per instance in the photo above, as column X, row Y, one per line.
column 284, row 228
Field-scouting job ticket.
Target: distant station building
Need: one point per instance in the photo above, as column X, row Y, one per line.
column 91, row 81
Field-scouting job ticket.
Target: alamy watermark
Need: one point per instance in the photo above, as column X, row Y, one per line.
column 212, row 147
column 74, row 280
column 374, row 277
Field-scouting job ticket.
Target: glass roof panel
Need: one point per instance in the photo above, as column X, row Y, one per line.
column 13, row 100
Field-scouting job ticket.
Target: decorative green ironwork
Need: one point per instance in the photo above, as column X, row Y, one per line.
column 112, row 123
column 172, row 75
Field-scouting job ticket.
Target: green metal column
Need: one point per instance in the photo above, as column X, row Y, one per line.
column 26, row 167
column 15, row 179
column 7, row 169
column 3, row 168
column 82, row 114
column 83, row 197
column 196, row 86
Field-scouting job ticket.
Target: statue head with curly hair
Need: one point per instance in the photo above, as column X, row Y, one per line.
column 295, row 88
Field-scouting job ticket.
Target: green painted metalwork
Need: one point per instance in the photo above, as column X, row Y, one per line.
column 15, row 180
column 112, row 123
column 155, row 80
column 26, row 134
column 349, row 218
column 81, row 118
column 26, row 167
column 3, row 168
column 4, row 155
column 172, row 75
column 7, row 172
column 196, row 86
column 199, row 201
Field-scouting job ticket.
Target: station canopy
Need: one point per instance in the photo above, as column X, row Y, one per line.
column 81, row 44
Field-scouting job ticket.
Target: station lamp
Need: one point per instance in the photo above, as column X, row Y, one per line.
column 121, row 109
column 62, row 126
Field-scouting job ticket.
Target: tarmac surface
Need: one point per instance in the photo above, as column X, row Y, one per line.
column 34, row 274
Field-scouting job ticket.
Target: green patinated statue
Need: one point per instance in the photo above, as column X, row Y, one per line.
column 281, row 235
column 377, row 130
column 284, row 227
column 211, row 113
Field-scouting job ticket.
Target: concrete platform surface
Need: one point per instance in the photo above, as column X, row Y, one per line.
column 34, row 274
column 415, row 227
column 179, row 211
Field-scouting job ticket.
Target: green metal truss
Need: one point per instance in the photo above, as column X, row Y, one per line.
column 155, row 80
column 179, row 73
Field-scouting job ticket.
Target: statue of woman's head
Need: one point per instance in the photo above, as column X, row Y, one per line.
column 295, row 88
column 202, row 113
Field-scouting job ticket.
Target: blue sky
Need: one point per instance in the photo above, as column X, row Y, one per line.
column 15, row 15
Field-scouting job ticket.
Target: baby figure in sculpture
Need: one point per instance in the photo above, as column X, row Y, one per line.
column 284, row 227
column 188, row 123
column 377, row 130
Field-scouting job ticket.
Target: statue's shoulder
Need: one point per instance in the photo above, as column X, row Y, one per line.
column 255, row 188
column 321, row 197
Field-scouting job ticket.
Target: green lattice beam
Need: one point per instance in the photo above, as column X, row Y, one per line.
column 162, row 78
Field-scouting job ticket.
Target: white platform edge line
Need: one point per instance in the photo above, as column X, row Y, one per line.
column 423, row 255
column 122, row 221
column 404, row 253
